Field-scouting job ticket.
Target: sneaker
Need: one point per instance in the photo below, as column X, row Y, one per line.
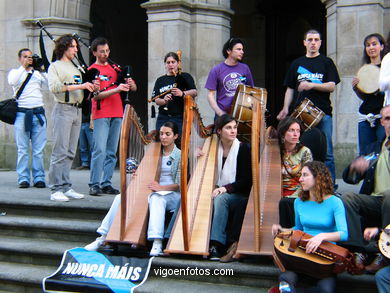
column 73, row 194
column 109, row 190
column 95, row 190
column 156, row 248
column 82, row 167
column 379, row 262
column 59, row 196
column 94, row 246
column 39, row 184
column 24, row 184
column 284, row 287
column 214, row 254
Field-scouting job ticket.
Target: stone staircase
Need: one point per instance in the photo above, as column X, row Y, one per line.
column 35, row 233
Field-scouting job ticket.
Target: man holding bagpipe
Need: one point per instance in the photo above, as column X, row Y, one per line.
column 65, row 82
column 107, row 113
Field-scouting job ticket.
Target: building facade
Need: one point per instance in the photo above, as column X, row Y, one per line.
column 142, row 32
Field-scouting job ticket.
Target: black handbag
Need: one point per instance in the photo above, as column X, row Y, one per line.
column 9, row 107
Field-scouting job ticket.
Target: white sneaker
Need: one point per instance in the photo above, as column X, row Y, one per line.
column 156, row 248
column 73, row 194
column 94, row 246
column 59, row 196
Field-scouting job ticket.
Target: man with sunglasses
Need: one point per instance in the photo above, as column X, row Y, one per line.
column 372, row 205
column 224, row 78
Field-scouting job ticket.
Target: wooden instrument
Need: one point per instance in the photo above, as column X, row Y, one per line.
column 190, row 234
column 309, row 114
column 262, row 209
column 130, row 224
column 368, row 76
column 327, row 260
column 242, row 108
column 384, row 242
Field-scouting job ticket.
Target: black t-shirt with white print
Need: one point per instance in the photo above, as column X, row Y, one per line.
column 319, row 69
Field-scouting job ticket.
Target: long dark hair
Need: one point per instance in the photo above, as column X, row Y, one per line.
column 381, row 39
column 172, row 125
column 323, row 181
column 62, row 44
column 283, row 126
column 173, row 55
column 223, row 120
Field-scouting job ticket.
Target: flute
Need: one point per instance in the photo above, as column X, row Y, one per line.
column 162, row 94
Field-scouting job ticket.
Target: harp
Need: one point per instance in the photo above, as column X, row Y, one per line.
column 130, row 223
column 262, row 209
column 190, row 234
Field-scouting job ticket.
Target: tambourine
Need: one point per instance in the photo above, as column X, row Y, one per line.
column 384, row 242
column 368, row 76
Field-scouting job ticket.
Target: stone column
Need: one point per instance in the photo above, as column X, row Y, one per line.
column 348, row 22
column 198, row 29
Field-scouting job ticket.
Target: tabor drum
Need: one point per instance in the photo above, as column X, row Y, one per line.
column 384, row 242
column 309, row 114
column 242, row 106
column 368, row 76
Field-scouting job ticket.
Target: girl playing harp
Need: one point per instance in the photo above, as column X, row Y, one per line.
column 233, row 187
column 165, row 195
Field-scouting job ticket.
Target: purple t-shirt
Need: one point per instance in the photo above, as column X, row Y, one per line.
column 224, row 79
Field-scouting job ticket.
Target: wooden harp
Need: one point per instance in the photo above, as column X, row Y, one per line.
column 131, row 220
column 190, row 234
column 262, row 209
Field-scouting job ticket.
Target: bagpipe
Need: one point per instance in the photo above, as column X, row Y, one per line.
column 327, row 260
column 88, row 75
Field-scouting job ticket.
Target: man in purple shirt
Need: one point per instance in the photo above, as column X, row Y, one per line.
column 224, row 78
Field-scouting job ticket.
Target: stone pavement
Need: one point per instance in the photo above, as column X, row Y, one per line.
column 9, row 188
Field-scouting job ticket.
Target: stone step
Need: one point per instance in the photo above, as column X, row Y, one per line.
column 22, row 278
column 85, row 209
column 49, row 228
column 44, row 252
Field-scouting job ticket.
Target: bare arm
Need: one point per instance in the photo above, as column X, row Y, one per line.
column 288, row 97
column 211, row 97
column 327, row 87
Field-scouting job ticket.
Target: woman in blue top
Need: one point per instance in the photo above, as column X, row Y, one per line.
column 319, row 213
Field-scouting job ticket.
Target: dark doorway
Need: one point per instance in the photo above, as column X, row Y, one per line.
column 274, row 33
column 124, row 24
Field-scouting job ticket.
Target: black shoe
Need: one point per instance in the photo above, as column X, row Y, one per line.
column 214, row 253
column 95, row 191
column 40, row 184
column 24, row 184
column 109, row 190
column 379, row 262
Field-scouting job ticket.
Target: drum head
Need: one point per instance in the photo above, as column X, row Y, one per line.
column 384, row 242
column 369, row 78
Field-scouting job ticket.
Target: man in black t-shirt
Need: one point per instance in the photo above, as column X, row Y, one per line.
column 313, row 76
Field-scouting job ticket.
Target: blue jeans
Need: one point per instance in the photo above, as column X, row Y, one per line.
column 326, row 126
column 382, row 279
column 228, row 205
column 85, row 143
column 368, row 134
column 105, row 144
column 162, row 118
column 37, row 135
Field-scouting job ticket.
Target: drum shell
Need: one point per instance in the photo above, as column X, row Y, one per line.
column 309, row 114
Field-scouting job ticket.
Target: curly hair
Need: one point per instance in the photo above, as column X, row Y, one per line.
column 62, row 44
column 323, row 181
column 283, row 127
